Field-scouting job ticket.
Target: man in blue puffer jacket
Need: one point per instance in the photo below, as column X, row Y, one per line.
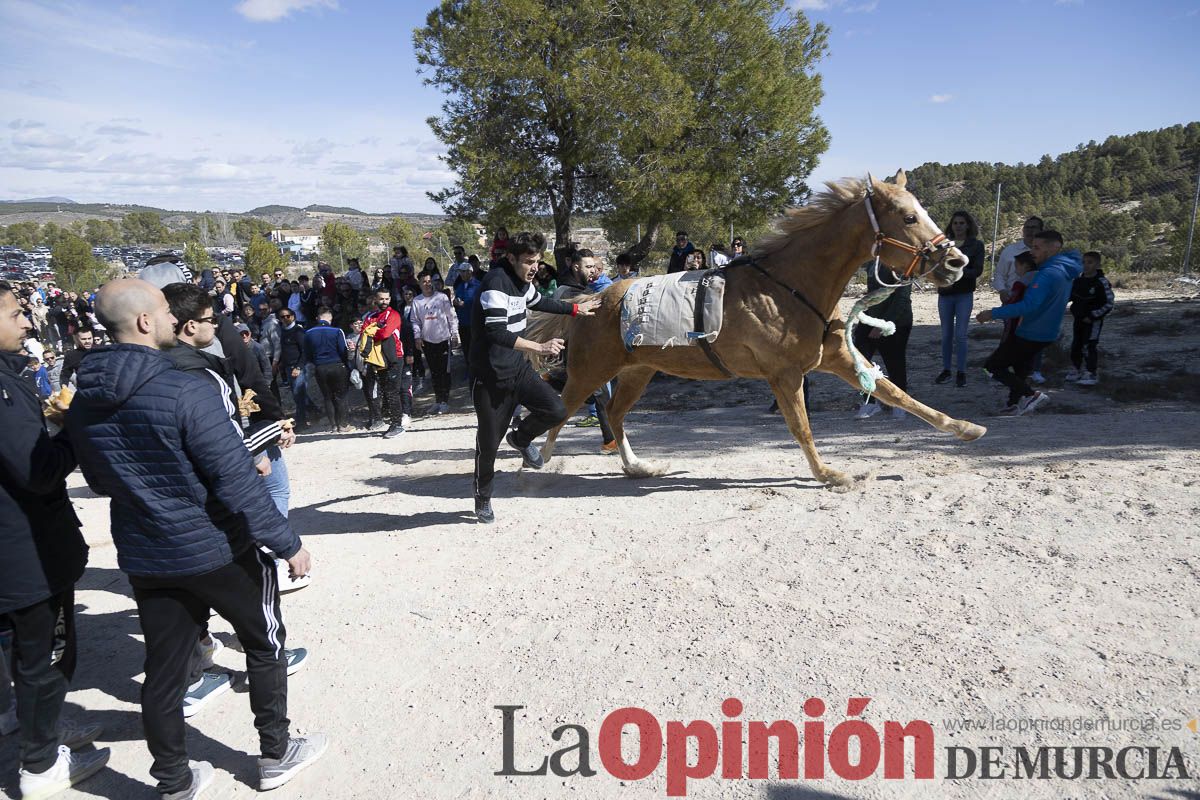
column 1041, row 312
column 187, row 509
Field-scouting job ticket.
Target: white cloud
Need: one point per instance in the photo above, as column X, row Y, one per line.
column 120, row 132
column 42, row 139
column 275, row 10
column 25, row 124
column 941, row 98
column 74, row 26
column 863, row 8
column 811, row 5
column 312, row 151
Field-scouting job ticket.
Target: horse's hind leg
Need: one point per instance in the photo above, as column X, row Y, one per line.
column 631, row 383
column 789, row 391
column 573, row 395
column 838, row 361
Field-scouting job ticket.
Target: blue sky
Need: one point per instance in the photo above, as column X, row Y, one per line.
column 230, row 104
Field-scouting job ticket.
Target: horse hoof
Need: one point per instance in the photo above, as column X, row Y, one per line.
column 970, row 432
column 834, row 478
column 646, row 469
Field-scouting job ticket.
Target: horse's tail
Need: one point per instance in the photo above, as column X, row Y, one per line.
column 542, row 327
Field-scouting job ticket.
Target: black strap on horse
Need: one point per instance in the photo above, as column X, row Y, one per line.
column 750, row 261
column 698, row 320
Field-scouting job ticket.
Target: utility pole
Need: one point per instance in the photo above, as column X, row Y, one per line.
column 996, row 227
column 1187, row 253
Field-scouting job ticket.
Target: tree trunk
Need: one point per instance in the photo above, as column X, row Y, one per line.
column 642, row 247
column 562, row 219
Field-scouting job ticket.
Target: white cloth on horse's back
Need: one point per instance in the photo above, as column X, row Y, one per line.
column 660, row 311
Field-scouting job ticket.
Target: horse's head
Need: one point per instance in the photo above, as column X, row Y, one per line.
column 907, row 240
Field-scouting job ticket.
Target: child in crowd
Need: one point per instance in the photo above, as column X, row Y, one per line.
column 1026, row 270
column 1091, row 300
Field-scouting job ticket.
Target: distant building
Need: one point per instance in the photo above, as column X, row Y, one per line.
column 297, row 240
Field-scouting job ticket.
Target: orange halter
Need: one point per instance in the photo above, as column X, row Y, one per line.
column 920, row 255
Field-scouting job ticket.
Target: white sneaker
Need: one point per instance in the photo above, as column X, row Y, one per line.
column 898, row 412
column 445, row 408
column 1089, row 379
column 405, row 421
column 1037, row 378
column 867, row 410
column 1073, row 375
column 68, row 770
column 202, row 777
column 301, row 752
column 1031, row 402
column 286, row 582
column 209, row 647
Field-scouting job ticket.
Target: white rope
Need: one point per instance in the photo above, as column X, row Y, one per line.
column 866, row 372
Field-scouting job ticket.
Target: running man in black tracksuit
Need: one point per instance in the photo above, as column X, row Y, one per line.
column 1091, row 300
column 503, row 376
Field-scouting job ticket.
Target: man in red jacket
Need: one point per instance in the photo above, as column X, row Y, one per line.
column 386, row 327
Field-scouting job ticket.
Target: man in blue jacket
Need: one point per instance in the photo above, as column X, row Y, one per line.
column 187, row 510
column 42, row 555
column 325, row 348
column 1041, row 313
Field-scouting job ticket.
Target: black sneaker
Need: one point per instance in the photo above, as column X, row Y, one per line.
column 529, row 453
column 393, row 431
column 960, row 380
column 483, row 510
column 943, row 376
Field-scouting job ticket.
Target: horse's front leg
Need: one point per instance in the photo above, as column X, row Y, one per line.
column 789, row 391
column 837, row 360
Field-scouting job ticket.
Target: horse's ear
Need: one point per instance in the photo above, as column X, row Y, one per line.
column 901, row 179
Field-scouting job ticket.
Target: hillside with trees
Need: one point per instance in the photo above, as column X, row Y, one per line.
column 1129, row 197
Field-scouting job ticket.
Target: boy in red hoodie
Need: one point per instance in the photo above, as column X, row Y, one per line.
column 386, row 326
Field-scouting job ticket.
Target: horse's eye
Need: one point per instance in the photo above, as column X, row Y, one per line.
column 911, row 219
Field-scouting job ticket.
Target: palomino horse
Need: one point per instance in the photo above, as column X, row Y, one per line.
column 781, row 317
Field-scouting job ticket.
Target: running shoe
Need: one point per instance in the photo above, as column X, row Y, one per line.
column 1073, row 375
column 202, row 778
column 944, row 376
column 68, row 770
column 1031, row 403
column 610, row 448
column 301, row 752
column 866, row 411
column 1089, row 379
column 590, row 421
column 295, row 659
column 529, row 454
column 483, row 510
column 210, row 686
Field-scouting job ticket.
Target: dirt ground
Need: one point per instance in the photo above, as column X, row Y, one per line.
column 1048, row 570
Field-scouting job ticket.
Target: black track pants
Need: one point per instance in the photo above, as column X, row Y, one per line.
column 173, row 612
column 44, row 662
column 494, row 405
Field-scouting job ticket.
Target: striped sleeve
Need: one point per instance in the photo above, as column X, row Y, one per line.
column 539, row 302
column 1109, row 298
column 496, row 328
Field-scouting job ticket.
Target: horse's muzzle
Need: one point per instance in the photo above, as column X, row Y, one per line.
column 949, row 269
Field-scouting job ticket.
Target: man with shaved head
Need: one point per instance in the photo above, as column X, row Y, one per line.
column 187, row 512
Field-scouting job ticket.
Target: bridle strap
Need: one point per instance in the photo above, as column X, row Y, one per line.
column 920, row 255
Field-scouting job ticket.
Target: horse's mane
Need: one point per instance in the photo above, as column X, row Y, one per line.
column 818, row 210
